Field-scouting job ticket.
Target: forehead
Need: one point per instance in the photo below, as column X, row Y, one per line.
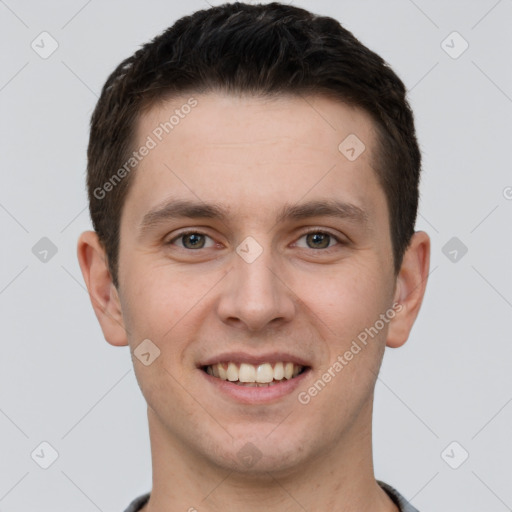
column 230, row 121
column 255, row 151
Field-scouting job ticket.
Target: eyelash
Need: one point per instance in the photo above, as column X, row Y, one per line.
column 305, row 233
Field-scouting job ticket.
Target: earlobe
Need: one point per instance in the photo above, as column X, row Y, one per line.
column 102, row 292
column 410, row 289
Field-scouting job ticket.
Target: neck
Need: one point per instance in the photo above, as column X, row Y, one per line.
column 341, row 479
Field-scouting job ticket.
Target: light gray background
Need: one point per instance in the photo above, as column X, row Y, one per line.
column 60, row 382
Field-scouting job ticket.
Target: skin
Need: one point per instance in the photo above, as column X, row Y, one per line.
column 252, row 156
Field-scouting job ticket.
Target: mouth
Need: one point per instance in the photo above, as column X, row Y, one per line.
column 266, row 374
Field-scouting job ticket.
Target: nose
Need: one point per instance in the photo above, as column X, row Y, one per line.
column 255, row 294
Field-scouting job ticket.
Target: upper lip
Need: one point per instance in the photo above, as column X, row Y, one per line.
column 254, row 359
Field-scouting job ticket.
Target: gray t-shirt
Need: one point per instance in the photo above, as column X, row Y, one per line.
column 402, row 504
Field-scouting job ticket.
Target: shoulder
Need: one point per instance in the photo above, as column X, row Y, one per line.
column 399, row 500
column 138, row 503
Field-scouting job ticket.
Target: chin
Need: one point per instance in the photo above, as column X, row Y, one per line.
column 262, row 451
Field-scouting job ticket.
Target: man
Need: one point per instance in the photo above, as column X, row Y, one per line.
column 253, row 184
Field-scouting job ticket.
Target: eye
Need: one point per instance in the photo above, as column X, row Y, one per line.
column 192, row 240
column 318, row 240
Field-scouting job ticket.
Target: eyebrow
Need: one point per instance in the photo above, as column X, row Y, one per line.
column 179, row 208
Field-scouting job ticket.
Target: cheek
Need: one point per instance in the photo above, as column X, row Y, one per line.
column 350, row 300
column 160, row 307
column 157, row 299
column 169, row 309
column 348, row 307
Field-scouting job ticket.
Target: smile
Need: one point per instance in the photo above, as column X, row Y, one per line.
column 250, row 375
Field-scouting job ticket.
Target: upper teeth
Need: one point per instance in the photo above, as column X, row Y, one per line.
column 261, row 373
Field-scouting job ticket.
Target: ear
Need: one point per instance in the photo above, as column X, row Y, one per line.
column 102, row 292
column 410, row 289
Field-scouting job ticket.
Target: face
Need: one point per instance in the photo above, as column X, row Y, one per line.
column 249, row 240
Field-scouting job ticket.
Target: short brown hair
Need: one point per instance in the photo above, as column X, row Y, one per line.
column 255, row 49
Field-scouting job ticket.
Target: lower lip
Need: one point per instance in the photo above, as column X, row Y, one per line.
column 255, row 394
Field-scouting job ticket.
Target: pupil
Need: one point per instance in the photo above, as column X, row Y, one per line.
column 319, row 240
column 194, row 240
